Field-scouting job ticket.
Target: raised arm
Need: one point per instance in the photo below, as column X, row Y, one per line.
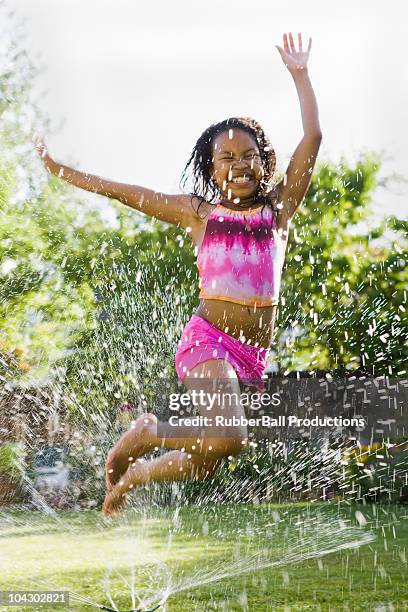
column 175, row 209
column 295, row 184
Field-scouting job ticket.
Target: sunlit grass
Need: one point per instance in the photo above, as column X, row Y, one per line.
column 91, row 556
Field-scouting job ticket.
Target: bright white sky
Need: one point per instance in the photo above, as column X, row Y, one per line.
column 131, row 85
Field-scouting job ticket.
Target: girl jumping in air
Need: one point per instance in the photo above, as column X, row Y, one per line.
column 239, row 221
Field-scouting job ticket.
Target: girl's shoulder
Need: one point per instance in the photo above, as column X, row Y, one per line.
column 273, row 196
column 201, row 207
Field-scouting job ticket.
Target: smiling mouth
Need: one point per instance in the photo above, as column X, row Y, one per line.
column 241, row 180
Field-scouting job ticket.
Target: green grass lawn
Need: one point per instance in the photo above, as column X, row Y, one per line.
column 91, row 556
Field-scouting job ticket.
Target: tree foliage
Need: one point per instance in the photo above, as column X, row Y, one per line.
column 344, row 287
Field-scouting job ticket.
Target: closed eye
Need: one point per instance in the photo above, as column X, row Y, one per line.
column 247, row 156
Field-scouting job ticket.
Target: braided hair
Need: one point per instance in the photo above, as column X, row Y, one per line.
column 204, row 186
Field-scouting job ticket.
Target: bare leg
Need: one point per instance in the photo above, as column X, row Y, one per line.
column 147, row 433
column 136, row 442
column 174, row 465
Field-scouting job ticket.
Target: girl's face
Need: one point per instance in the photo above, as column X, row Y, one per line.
column 237, row 166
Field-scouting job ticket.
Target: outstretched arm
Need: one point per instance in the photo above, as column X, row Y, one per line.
column 175, row 209
column 295, row 184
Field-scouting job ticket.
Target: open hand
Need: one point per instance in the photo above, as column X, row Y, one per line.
column 294, row 60
column 42, row 151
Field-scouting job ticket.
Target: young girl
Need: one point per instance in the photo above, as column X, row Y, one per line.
column 239, row 222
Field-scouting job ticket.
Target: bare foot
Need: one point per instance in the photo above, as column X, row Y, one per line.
column 117, row 498
column 114, row 502
column 138, row 440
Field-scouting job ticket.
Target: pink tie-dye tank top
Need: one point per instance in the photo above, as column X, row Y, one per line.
column 241, row 257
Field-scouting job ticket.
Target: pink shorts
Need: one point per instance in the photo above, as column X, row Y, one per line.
column 202, row 341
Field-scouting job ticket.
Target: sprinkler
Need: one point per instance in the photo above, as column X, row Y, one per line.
column 139, row 610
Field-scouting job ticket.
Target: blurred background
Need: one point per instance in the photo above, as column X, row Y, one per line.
column 93, row 296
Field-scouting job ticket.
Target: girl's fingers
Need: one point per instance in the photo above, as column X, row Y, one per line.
column 285, row 43
column 292, row 44
column 39, row 145
column 289, row 45
column 35, row 139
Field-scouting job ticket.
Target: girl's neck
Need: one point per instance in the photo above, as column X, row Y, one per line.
column 247, row 204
